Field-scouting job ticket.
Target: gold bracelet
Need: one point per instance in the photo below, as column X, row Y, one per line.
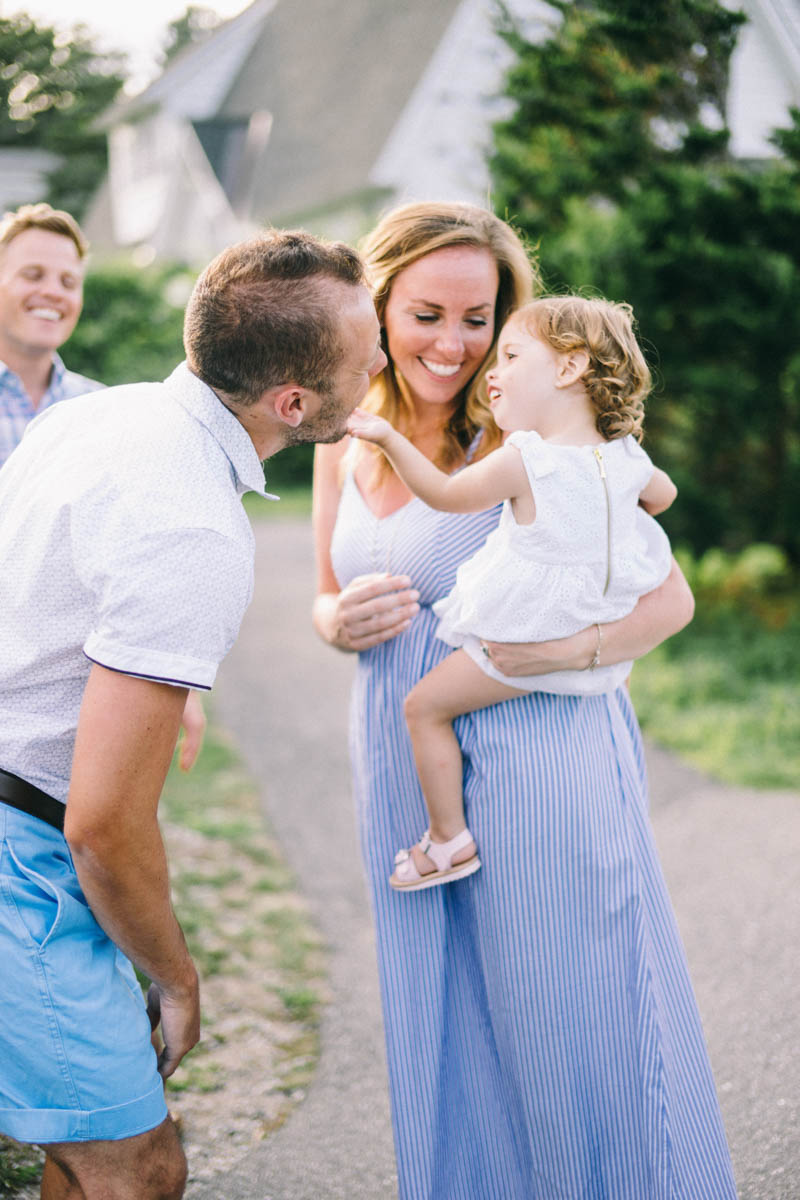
column 595, row 661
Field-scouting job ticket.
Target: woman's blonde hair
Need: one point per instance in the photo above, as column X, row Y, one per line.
column 401, row 238
column 617, row 378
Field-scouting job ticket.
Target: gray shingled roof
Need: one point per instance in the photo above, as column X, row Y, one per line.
column 335, row 75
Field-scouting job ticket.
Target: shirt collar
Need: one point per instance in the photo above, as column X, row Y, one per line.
column 201, row 402
column 55, row 388
column 55, row 384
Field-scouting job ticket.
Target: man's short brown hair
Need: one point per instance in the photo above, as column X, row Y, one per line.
column 42, row 216
column 263, row 313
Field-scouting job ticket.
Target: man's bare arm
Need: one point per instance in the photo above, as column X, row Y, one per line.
column 126, row 736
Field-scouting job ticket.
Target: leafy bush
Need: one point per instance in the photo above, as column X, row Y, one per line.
column 757, row 585
column 725, row 693
column 131, row 328
column 53, row 88
column 291, row 469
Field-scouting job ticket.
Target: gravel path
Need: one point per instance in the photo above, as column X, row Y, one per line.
column 732, row 859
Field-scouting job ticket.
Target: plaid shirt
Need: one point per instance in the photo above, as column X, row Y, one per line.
column 16, row 409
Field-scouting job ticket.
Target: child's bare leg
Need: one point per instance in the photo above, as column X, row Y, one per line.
column 456, row 686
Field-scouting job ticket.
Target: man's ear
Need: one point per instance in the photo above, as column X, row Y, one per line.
column 571, row 366
column 291, row 403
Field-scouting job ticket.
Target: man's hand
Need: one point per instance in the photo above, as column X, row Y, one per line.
column 179, row 1021
column 193, row 725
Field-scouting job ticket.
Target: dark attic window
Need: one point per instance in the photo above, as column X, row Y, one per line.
column 223, row 140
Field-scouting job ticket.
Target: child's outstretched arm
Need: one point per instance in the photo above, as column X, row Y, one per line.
column 499, row 476
column 659, row 493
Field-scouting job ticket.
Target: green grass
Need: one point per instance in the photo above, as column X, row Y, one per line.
column 300, row 1003
column 242, row 883
column 196, row 1077
column 244, row 923
column 20, row 1166
column 294, row 502
column 725, row 693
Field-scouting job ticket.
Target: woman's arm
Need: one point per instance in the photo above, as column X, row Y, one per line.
column 372, row 608
column 500, row 476
column 658, row 615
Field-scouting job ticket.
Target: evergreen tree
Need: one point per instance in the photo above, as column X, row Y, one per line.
column 52, row 88
column 618, row 90
column 131, row 327
column 616, row 162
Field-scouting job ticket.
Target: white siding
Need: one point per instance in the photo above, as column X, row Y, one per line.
column 439, row 144
column 765, row 75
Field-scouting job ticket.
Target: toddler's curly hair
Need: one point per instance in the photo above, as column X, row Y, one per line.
column 617, row 379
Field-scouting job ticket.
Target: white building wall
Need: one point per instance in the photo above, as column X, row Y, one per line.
column 765, row 75
column 23, row 176
column 164, row 193
column 439, row 145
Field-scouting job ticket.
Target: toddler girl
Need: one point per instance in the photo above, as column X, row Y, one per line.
column 569, row 551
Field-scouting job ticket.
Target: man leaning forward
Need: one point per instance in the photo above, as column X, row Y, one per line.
column 126, row 565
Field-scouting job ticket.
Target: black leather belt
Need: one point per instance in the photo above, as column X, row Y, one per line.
column 31, row 800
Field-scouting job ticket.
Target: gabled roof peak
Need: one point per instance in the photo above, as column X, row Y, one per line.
column 194, row 85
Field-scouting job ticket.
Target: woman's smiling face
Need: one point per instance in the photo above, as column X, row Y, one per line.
column 439, row 321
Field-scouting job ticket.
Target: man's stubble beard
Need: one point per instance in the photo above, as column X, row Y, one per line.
column 329, row 425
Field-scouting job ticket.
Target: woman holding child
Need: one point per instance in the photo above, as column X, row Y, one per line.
column 542, row 1035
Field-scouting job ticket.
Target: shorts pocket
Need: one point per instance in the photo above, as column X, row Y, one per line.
column 37, row 900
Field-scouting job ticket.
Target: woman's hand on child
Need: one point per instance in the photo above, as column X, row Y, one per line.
column 571, row 653
column 368, row 426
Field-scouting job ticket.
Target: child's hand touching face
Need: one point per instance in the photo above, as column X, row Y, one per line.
column 369, row 426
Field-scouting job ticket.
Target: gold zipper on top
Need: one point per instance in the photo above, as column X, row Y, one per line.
column 598, row 453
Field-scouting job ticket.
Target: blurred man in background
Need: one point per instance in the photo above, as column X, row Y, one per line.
column 42, row 265
column 126, row 562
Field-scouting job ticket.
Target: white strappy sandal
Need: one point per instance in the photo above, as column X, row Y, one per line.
column 406, row 877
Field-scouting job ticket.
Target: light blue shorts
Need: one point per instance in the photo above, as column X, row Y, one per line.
column 76, row 1063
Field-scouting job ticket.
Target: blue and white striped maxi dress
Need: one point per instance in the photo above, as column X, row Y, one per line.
column 542, row 1036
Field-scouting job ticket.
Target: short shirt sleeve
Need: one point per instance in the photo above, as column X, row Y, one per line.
column 536, row 454
column 640, row 462
column 169, row 605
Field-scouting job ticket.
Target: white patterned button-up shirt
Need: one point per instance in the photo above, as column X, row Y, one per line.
column 123, row 541
column 16, row 410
